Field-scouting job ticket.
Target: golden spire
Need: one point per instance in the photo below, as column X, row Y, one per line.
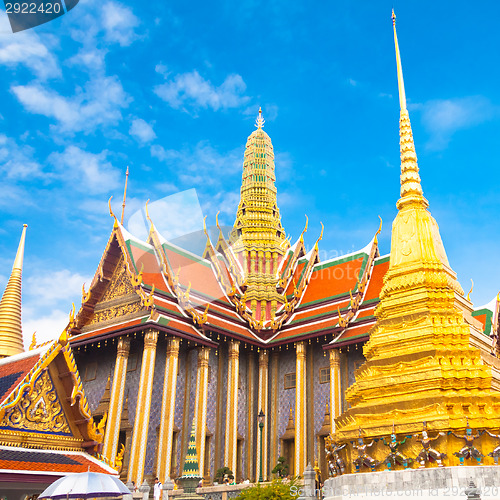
column 259, row 123
column 124, row 196
column 11, row 335
column 258, row 239
column 411, row 189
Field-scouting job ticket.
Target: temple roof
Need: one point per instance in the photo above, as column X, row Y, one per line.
column 43, row 401
column 203, row 298
column 16, row 460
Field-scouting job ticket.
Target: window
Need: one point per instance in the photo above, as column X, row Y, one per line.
column 132, row 362
column 324, row 375
column 91, row 371
column 290, row 381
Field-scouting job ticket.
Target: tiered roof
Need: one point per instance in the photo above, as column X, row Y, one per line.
column 154, row 283
column 45, row 423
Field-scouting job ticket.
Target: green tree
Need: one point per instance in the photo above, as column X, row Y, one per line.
column 277, row 490
column 281, row 467
column 219, row 475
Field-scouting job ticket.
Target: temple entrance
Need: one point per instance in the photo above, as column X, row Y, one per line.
column 288, row 453
column 238, row 476
column 206, row 460
column 173, row 458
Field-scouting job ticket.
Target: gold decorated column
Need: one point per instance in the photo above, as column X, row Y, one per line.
column 335, row 389
column 168, row 410
column 201, row 403
column 141, row 422
column 112, row 434
column 300, row 409
column 263, row 405
column 230, row 456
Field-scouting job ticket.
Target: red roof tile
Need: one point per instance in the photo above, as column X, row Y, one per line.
column 12, row 372
column 331, row 279
column 49, row 461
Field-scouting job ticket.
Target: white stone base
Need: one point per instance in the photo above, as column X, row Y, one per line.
column 436, row 483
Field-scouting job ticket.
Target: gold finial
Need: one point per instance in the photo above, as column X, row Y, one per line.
column 320, row 236
column 471, row 288
column 33, row 342
column 217, row 220
column 63, row 338
column 111, row 213
column 124, row 196
column 11, row 334
column 411, row 189
column 401, row 83
column 147, row 213
column 260, row 121
column 379, row 230
column 18, row 261
column 205, row 225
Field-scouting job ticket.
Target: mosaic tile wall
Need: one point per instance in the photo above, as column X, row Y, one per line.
column 255, row 412
column 242, row 406
column 286, row 397
column 350, row 361
column 223, row 390
column 321, row 391
column 96, row 364
column 155, row 412
column 179, row 400
column 355, row 360
column 213, row 362
column 133, row 377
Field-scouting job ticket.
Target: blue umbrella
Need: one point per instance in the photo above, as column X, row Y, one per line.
column 86, row 485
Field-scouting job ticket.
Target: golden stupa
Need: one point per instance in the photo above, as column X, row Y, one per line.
column 11, row 334
column 426, row 359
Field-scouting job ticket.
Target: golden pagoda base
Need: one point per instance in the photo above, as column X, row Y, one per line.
column 424, row 484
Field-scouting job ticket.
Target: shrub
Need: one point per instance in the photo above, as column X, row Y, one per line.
column 277, row 490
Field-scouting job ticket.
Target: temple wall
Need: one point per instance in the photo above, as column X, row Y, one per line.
column 213, row 363
column 94, row 367
column 223, row 401
column 350, row 361
column 286, row 397
column 179, row 400
column 242, row 407
column 133, row 377
column 321, row 391
column 156, row 400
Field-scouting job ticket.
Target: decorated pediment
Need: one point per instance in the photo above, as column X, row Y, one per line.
column 119, row 298
column 39, row 410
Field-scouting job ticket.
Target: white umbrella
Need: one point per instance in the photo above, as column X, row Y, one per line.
column 86, row 485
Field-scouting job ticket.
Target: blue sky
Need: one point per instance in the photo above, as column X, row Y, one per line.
column 172, row 89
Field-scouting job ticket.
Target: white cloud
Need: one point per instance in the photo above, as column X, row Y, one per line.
column 30, row 50
column 192, row 89
column 47, row 327
column 86, row 171
column 203, row 165
column 119, row 22
column 442, row 118
column 50, row 291
column 54, row 287
column 16, row 162
column 100, row 103
column 142, row 131
column 90, row 57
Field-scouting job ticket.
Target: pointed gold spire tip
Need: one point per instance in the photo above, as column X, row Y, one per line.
column 18, row 262
column 259, row 123
column 11, row 334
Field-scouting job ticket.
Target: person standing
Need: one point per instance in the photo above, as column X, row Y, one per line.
column 158, row 488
